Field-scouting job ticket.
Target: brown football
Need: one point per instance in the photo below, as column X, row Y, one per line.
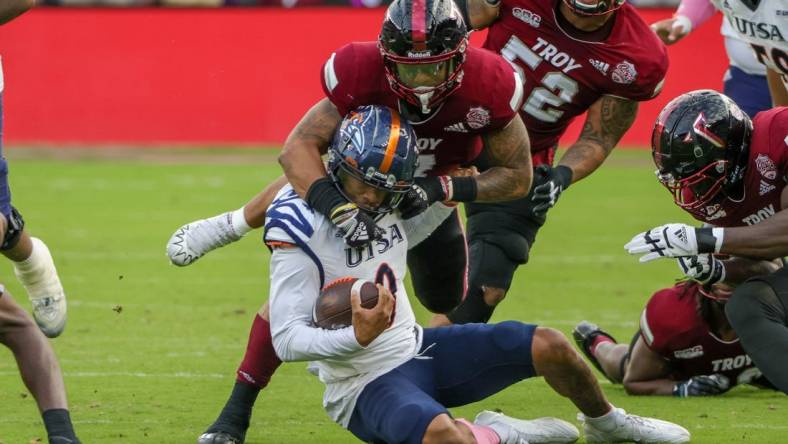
column 332, row 308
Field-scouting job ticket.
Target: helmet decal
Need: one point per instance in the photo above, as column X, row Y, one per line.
column 700, row 128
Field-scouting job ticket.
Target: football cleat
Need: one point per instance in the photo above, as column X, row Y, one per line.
column 584, row 334
column 39, row 277
column 633, row 428
column 535, row 431
column 218, row 438
column 193, row 240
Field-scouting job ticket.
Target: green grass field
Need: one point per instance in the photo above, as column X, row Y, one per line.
column 150, row 350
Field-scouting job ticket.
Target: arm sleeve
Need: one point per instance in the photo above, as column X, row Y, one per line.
column 295, row 284
column 697, row 11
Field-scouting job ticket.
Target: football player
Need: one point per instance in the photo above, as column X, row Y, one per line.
column 387, row 379
column 575, row 56
column 685, row 345
column 763, row 24
column 32, row 261
column 731, row 172
column 745, row 80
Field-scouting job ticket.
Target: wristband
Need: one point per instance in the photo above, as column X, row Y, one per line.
column 709, row 239
column 463, row 189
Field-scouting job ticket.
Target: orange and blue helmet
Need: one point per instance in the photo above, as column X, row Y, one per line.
column 374, row 145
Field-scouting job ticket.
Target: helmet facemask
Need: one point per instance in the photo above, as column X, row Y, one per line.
column 600, row 7
column 392, row 190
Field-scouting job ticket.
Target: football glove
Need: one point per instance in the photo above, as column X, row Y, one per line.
column 703, row 268
column 548, row 185
column 703, row 385
column 356, row 226
column 675, row 240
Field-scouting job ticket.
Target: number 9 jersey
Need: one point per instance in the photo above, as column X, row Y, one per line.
column 565, row 70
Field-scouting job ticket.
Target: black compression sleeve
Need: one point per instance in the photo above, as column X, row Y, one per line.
column 324, row 196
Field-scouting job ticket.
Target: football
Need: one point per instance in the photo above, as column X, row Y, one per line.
column 332, row 308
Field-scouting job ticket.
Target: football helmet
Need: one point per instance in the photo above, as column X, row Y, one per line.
column 423, row 45
column 376, row 147
column 700, row 147
column 594, row 7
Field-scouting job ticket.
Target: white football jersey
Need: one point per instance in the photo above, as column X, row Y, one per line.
column 312, row 254
column 764, row 25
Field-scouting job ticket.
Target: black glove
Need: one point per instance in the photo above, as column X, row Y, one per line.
column 424, row 192
column 549, row 183
column 703, row 385
column 356, row 226
column 427, row 190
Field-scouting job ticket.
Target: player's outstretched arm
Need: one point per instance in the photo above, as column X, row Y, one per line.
column 10, row 9
column 301, row 155
column 508, row 151
column 766, row 240
column 607, row 121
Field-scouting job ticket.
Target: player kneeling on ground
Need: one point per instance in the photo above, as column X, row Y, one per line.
column 387, row 379
column 685, row 345
column 729, row 171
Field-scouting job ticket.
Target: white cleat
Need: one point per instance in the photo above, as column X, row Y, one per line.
column 39, row 277
column 633, row 428
column 535, row 431
column 193, row 240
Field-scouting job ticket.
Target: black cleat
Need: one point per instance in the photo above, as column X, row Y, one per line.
column 584, row 334
column 218, row 438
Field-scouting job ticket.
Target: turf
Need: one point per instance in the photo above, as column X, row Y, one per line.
column 150, row 350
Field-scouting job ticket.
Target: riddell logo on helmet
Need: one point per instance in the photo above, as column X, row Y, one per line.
column 419, row 54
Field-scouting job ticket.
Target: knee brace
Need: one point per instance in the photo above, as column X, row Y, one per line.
column 13, row 230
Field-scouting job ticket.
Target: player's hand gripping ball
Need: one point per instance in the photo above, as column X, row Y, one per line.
column 333, row 310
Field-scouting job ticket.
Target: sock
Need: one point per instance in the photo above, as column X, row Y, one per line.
column 237, row 412
column 259, row 364
column 238, row 221
column 59, row 427
column 482, row 434
column 260, row 361
column 599, row 340
column 606, row 422
column 37, row 273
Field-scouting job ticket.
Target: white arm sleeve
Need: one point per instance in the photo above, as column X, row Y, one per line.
column 295, row 284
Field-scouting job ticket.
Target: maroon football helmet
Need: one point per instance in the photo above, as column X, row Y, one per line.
column 700, row 146
column 423, row 45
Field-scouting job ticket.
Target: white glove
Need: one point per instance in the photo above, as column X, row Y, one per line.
column 675, row 240
column 704, row 268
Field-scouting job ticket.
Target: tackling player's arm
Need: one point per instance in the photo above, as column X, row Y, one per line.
column 508, row 152
column 479, row 14
column 10, row 9
column 607, row 121
column 766, row 240
column 301, row 155
column 647, row 372
column 777, row 88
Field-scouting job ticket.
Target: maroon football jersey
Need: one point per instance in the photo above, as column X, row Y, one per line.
column 488, row 98
column 671, row 326
column 564, row 75
column 764, row 178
